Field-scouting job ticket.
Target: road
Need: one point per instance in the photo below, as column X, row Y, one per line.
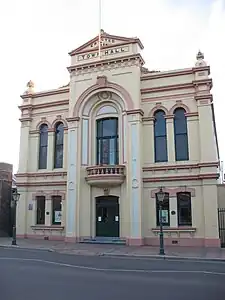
column 29, row 274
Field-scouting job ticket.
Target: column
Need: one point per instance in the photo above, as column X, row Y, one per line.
column 48, row 211
column 71, row 202
column 170, row 138
column 135, row 179
column 51, row 150
column 173, row 207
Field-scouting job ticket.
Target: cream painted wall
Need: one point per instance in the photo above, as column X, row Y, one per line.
column 201, row 150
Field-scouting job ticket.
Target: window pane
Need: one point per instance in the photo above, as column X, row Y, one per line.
column 181, row 147
column 40, row 212
column 56, row 210
column 161, row 149
column 59, row 134
column 160, row 124
column 107, row 141
column 184, row 209
column 109, row 127
column 59, row 156
column 43, row 157
column 165, row 211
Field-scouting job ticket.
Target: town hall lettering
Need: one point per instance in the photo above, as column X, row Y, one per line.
column 103, row 53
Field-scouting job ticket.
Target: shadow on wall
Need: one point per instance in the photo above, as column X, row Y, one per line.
column 5, row 199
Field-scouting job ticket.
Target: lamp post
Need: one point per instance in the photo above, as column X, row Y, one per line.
column 160, row 198
column 15, row 198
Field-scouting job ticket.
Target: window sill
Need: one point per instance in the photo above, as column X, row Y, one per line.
column 45, row 227
column 188, row 229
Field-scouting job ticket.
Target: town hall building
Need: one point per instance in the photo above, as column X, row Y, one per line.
column 95, row 153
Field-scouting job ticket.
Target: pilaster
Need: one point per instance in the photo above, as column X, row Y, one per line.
column 51, row 150
column 71, row 205
column 148, row 144
column 193, row 137
column 170, row 138
column 207, row 130
column 135, row 178
column 24, row 145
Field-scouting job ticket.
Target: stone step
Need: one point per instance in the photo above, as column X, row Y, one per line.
column 110, row 241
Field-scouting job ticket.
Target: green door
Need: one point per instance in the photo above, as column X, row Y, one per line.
column 107, row 216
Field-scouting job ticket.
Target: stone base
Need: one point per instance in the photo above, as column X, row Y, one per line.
column 134, row 241
column 183, row 242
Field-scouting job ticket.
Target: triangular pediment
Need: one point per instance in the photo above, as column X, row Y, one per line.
column 107, row 40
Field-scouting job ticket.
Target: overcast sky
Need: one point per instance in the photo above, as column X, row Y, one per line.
column 37, row 35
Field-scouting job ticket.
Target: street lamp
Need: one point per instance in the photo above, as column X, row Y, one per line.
column 160, row 198
column 15, row 198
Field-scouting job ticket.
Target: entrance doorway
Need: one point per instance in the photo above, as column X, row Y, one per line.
column 107, row 216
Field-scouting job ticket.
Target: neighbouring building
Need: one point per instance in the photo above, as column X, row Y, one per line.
column 5, row 198
column 94, row 153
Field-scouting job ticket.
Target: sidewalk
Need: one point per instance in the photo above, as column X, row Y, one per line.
column 116, row 250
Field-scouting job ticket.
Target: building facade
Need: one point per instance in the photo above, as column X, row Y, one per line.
column 94, row 153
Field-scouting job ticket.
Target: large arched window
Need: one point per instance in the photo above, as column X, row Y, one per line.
column 180, row 135
column 59, row 137
column 107, row 141
column 43, row 146
column 160, row 137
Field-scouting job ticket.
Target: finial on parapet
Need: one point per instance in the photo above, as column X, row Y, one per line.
column 200, row 59
column 30, row 87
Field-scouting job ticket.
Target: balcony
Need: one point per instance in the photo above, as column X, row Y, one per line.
column 105, row 175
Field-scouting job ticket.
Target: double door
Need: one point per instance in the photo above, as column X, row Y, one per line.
column 107, row 216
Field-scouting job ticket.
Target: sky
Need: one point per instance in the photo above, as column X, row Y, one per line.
column 37, row 35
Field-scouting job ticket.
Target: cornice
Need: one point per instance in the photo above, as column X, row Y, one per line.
column 46, row 93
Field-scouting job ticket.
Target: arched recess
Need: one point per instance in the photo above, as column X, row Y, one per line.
column 179, row 105
column 157, row 108
column 57, row 120
column 43, row 122
column 112, row 110
column 106, row 86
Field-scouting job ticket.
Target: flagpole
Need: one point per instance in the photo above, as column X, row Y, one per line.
column 100, row 24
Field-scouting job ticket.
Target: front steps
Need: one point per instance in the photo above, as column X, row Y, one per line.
column 104, row 240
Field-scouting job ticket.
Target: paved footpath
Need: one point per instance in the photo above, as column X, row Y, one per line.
column 116, row 250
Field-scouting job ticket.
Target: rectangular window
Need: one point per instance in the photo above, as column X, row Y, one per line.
column 56, row 210
column 161, row 149
column 165, row 211
column 184, row 209
column 40, row 212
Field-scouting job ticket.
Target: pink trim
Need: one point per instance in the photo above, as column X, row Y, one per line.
column 173, row 73
column 167, row 88
column 182, row 178
column 135, row 241
column 179, row 105
column 183, row 242
column 46, row 93
column 169, row 97
column 58, row 120
column 156, row 108
column 103, row 83
column 181, row 166
column 212, row 242
column 40, row 237
column 70, row 239
column 173, row 192
column 49, row 195
column 43, row 121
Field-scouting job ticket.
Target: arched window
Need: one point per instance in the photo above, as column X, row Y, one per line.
column 59, row 137
column 43, row 146
column 107, row 141
column 180, row 135
column 160, row 137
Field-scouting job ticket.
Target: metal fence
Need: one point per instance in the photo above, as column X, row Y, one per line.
column 221, row 217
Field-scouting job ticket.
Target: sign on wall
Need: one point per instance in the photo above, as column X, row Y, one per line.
column 103, row 53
